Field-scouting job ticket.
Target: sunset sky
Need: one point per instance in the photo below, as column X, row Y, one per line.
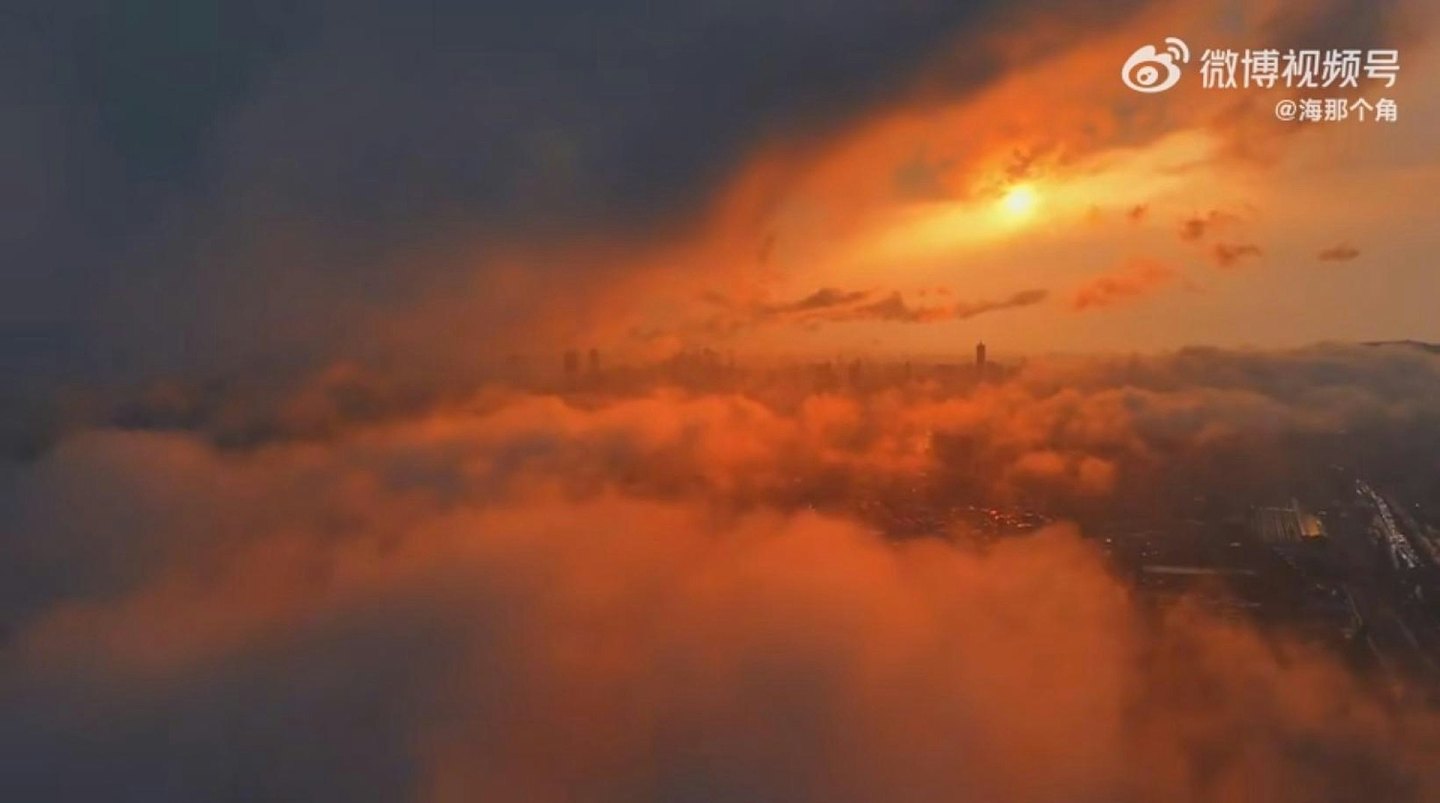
column 198, row 186
column 1112, row 184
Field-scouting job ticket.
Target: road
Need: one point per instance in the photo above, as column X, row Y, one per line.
column 1402, row 636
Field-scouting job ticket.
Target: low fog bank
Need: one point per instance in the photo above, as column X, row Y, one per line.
column 646, row 587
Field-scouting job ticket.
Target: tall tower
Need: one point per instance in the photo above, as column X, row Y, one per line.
column 980, row 360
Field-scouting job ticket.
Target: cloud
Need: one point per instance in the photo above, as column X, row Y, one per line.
column 507, row 176
column 833, row 305
column 1023, row 298
column 280, row 206
column 1227, row 255
column 1343, row 252
column 1133, row 280
column 1198, row 226
column 657, row 595
column 823, row 299
column 894, row 308
column 776, row 438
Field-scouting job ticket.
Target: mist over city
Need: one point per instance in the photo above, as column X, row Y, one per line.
column 719, row 402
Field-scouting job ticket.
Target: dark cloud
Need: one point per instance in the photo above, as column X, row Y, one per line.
column 1198, row 226
column 1248, row 126
column 831, row 305
column 216, row 183
column 894, row 308
column 1024, row 298
column 1337, row 24
column 1227, row 255
column 822, row 299
column 1343, row 252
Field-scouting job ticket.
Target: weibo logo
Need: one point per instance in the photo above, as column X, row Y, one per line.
column 1149, row 70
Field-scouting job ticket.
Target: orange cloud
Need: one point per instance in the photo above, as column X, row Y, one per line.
column 533, row 596
column 1134, row 280
column 606, row 645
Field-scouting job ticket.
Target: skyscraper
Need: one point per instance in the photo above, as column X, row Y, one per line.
column 980, row 359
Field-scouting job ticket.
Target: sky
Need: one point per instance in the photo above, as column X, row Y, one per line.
column 202, row 188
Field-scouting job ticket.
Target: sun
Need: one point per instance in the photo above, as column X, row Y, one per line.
column 1019, row 201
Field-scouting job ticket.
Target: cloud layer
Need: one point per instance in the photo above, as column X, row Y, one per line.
column 660, row 594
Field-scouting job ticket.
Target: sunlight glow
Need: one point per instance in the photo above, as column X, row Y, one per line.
column 1069, row 204
column 1019, row 201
